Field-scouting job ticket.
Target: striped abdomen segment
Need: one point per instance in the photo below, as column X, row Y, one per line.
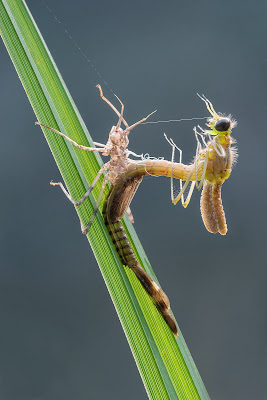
column 128, row 258
column 113, row 212
column 212, row 209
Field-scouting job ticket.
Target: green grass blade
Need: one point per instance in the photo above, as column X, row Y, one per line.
column 165, row 364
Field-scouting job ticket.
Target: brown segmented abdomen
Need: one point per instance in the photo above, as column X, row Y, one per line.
column 207, row 209
column 212, row 209
column 218, row 207
column 115, row 206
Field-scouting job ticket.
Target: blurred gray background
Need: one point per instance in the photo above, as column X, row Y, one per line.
column 154, row 55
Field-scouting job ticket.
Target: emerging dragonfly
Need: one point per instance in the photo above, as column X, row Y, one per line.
column 211, row 167
column 125, row 175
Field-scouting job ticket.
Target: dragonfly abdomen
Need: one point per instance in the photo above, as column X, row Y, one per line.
column 128, row 258
column 112, row 213
column 212, row 209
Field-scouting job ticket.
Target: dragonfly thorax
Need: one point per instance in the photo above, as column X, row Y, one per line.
column 220, row 159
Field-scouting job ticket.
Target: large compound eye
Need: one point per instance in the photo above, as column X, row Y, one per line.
column 222, row 125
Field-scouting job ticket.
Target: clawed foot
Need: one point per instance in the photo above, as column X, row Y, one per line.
column 84, row 231
column 52, row 183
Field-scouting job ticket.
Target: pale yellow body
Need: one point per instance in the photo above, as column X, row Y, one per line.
column 211, row 167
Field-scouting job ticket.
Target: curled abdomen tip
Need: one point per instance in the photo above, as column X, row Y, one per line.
column 170, row 321
column 224, row 230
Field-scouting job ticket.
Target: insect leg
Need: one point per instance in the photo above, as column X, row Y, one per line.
column 88, row 226
column 196, row 163
column 111, row 105
column 204, row 170
column 70, row 140
column 99, row 144
column 175, row 201
column 182, row 188
column 79, row 202
column 202, row 135
column 171, row 142
column 188, row 198
column 218, row 148
column 198, row 150
column 121, row 115
column 202, row 130
column 128, row 129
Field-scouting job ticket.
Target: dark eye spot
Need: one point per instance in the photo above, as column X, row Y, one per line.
column 222, row 125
